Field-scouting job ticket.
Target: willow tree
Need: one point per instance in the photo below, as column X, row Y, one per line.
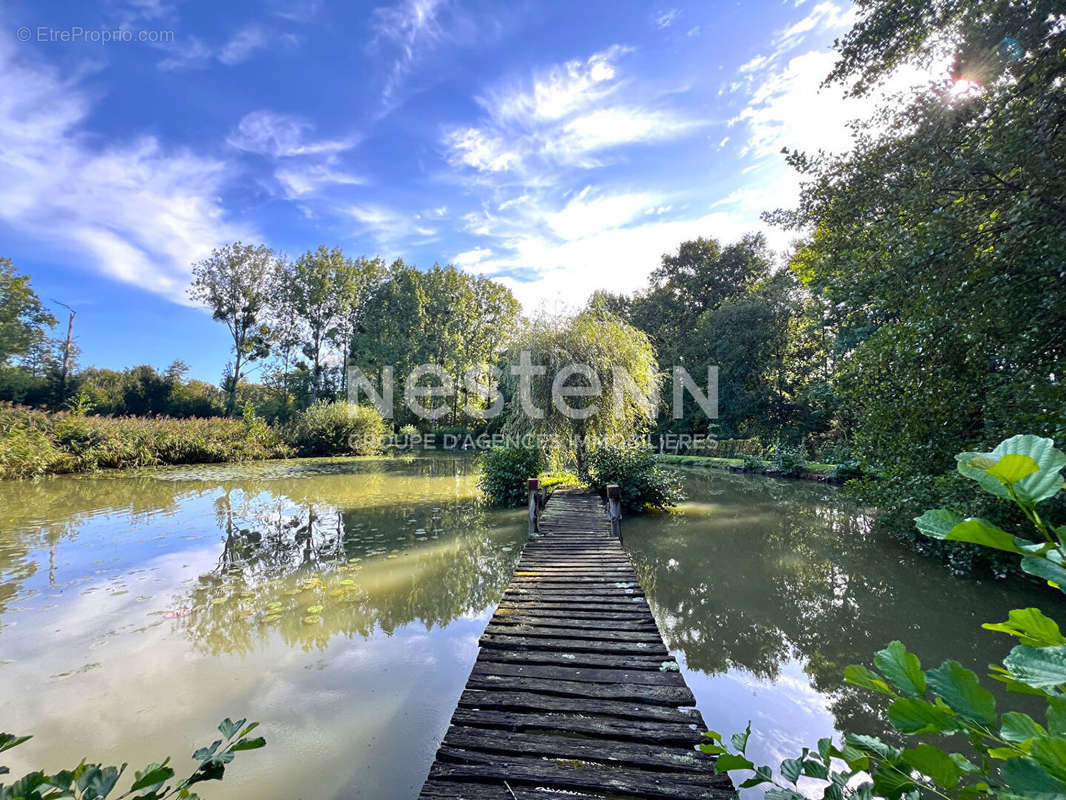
column 581, row 379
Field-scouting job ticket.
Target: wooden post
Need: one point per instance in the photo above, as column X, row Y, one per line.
column 533, row 485
column 614, row 508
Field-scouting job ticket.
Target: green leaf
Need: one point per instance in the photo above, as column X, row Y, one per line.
column 1018, row 727
column 933, row 763
column 1031, row 627
column 871, row 744
column 963, row 693
column 1050, row 753
column 791, row 769
column 9, row 740
column 1048, row 570
column 731, row 761
column 815, row 769
column 740, row 740
column 228, row 727
column 937, row 522
column 858, row 675
column 1012, row 467
column 762, row 775
column 1025, row 776
column 1039, row 667
column 978, row 531
column 154, row 775
column 783, row 794
column 1032, row 488
column 249, row 744
column 912, row 715
column 902, row 668
column 1056, row 715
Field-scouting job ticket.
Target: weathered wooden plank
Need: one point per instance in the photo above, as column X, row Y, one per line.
column 676, row 785
column 486, row 666
column 588, row 634
column 623, row 753
column 578, row 659
column 637, row 692
column 628, row 709
column 576, row 624
column 582, row 645
column 682, row 734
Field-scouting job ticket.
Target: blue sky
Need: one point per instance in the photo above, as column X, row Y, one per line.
column 557, row 146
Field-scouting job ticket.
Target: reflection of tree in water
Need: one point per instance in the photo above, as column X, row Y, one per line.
column 373, row 566
column 40, row 515
column 759, row 571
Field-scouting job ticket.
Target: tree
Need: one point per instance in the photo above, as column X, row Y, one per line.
column 22, row 317
column 698, row 278
column 310, row 294
column 596, row 352
column 238, row 282
column 937, row 243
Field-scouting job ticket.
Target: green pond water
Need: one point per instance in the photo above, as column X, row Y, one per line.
column 340, row 602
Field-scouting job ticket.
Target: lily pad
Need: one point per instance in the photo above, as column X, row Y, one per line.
column 311, row 619
column 315, row 609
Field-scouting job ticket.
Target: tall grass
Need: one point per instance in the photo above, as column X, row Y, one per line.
column 35, row 442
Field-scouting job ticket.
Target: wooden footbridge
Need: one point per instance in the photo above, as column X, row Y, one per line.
column 573, row 694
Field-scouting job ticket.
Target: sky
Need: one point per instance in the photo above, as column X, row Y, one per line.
column 559, row 147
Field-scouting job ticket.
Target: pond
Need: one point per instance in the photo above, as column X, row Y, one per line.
column 340, row 602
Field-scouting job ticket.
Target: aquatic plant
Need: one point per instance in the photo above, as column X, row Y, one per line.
column 1017, row 756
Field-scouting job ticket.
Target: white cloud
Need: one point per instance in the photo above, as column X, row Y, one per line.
column 195, row 53
column 667, row 18
column 136, row 211
column 282, row 135
column 298, row 180
column 471, row 258
column 564, row 116
column 243, row 44
column 407, row 28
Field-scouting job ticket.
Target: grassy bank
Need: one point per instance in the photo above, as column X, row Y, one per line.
column 36, row 443
column 809, row 471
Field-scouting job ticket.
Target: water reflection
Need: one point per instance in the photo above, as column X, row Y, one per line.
column 338, row 601
column 773, row 587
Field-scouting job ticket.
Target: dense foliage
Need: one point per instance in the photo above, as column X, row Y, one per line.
column 616, row 374
column 633, row 467
column 36, row 443
column 340, row 428
column 505, row 470
column 1018, row 756
column 97, row 782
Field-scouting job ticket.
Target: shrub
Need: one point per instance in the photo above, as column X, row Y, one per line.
column 753, row 464
column 633, row 468
column 408, row 431
column 36, row 443
column 505, row 470
column 327, row 429
column 787, row 460
column 846, row 471
column 550, row 481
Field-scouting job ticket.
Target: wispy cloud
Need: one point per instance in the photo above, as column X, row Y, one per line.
column 195, row 53
column 404, row 30
column 136, row 211
column 565, row 115
column 667, row 18
column 279, row 135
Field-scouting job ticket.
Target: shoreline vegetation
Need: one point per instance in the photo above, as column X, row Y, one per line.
column 36, row 443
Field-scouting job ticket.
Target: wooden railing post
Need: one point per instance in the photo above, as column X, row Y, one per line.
column 614, row 508
column 533, row 485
